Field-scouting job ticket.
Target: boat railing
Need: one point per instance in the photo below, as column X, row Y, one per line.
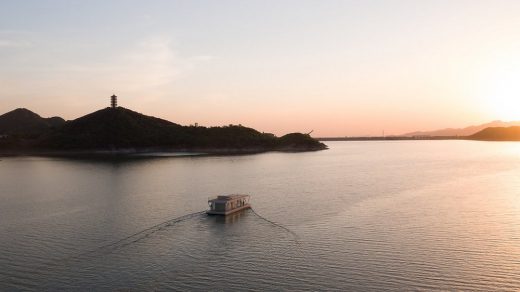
column 247, row 197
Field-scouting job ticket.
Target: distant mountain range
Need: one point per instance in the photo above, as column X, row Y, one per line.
column 119, row 130
column 468, row 131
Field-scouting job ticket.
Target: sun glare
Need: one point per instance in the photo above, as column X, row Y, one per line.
column 501, row 93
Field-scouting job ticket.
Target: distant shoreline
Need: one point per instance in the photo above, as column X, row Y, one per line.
column 392, row 138
column 488, row 137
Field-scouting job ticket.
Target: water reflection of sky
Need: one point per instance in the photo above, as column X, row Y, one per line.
column 362, row 215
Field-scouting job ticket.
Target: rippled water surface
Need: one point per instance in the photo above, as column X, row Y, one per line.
column 400, row 215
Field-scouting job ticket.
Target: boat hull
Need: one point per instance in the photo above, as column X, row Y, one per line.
column 210, row 212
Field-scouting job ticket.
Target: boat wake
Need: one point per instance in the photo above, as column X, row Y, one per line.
column 130, row 239
column 296, row 238
column 135, row 237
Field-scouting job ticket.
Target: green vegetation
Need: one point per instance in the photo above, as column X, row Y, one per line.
column 121, row 129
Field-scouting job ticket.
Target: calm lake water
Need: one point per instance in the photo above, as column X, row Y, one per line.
column 396, row 215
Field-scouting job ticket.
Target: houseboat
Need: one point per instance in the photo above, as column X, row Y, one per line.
column 225, row 205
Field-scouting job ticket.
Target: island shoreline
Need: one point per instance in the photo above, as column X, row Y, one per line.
column 155, row 152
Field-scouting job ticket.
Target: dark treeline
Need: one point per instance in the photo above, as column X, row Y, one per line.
column 121, row 128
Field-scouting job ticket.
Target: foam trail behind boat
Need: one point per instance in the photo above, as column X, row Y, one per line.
column 130, row 238
column 296, row 238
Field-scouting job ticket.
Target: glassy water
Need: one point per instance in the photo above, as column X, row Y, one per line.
column 397, row 215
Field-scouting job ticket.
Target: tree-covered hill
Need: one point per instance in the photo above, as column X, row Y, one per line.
column 113, row 129
column 23, row 122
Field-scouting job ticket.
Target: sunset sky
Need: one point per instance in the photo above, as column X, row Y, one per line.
column 336, row 67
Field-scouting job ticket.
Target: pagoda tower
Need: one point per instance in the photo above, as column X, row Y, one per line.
column 113, row 101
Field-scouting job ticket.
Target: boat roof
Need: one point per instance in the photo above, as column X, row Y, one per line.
column 229, row 197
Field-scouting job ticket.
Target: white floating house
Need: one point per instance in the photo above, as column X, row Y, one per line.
column 225, row 205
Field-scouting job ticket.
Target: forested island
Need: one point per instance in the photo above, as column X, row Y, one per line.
column 117, row 130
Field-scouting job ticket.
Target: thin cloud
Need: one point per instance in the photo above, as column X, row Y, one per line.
column 149, row 64
column 145, row 65
column 14, row 38
column 9, row 43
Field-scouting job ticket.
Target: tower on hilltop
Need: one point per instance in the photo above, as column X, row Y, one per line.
column 113, row 101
